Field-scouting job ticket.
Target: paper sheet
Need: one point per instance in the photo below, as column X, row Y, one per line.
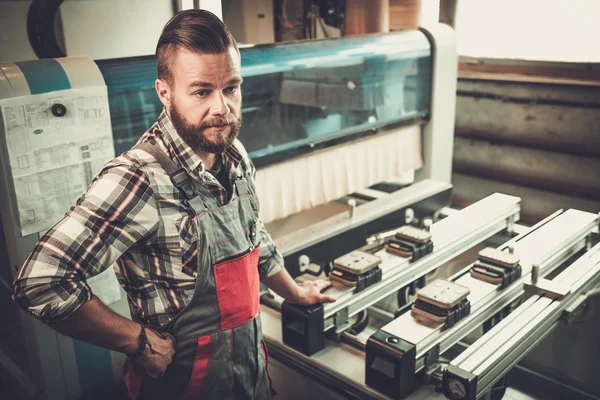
column 53, row 159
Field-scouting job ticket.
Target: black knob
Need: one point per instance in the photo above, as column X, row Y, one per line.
column 58, row 110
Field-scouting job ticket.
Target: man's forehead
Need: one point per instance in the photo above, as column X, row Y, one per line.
column 186, row 59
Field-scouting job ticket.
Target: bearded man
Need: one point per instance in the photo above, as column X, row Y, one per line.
column 179, row 217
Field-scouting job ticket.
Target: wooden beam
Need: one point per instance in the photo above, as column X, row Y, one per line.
column 448, row 12
column 529, row 71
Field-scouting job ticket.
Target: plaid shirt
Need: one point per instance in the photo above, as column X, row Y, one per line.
column 131, row 218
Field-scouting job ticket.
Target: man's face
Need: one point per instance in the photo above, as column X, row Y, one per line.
column 205, row 98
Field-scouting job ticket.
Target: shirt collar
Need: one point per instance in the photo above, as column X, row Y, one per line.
column 184, row 154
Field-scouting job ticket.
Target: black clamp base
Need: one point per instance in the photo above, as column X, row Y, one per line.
column 370, row 278
column 390, row 365
column 422, row 250
column 453, row 315
column 408, row 249
column 457, row 313
column 492, row 273
column 302, row 327
column 360, row 281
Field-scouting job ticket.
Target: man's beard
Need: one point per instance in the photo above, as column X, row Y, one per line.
column 193, row 134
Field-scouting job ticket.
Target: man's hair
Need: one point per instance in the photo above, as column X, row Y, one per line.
column 197, row 31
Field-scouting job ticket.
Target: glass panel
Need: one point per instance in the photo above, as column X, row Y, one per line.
column 134, row 105
column 297, row 94
column 315, row 91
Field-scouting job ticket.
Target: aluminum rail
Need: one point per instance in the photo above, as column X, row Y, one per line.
column 497, row 300
column 549, row 246
column 477, row 369
column 304, row 327
column 451, row 237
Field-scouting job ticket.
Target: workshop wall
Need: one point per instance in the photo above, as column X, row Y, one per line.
column 537, row 140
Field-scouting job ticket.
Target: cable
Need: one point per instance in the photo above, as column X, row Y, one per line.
column 402, row 296
column 360, row 324
column 40, row 28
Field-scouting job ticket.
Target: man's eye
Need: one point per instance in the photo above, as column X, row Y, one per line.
column 202, row 93
column 231, row 89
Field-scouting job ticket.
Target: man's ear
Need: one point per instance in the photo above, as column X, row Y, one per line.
column 163, row 90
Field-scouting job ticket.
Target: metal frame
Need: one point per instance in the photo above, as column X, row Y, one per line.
column 496, row 352
column 339, row 363
column 438, row 133
column 451, row 236
column 498, row 300
column 550, row 244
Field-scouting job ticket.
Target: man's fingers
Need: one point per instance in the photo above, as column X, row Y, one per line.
column 326, row 299
column 169, row 336
column 322, row 284
column 156, row 375
column 318, row 283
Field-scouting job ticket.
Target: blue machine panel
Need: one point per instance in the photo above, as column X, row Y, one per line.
column 297, row 96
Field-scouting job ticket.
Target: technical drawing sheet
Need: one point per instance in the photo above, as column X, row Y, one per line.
column 54, row 158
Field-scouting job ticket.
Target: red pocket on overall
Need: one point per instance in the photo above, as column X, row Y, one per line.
column 266, row 355
column 199, row 369
column 237, row 285
column 133, row 377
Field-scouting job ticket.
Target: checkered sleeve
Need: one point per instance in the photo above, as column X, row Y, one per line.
column 117, row 210
column 270, row 260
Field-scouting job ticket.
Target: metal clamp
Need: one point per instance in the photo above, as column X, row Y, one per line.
column 342, row 323
column 352, row 205
column 544, row 287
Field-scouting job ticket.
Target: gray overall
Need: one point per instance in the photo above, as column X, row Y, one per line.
column 219, row 353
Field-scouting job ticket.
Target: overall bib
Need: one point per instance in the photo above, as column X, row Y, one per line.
column 219, row 352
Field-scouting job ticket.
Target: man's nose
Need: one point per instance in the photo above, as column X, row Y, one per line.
column 219, row 104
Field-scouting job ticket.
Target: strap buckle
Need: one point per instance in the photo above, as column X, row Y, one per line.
column 181, row 181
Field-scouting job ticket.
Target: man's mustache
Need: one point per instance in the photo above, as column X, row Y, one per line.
column 217, row 122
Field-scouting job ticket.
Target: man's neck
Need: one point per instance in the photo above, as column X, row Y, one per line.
column 208, row 159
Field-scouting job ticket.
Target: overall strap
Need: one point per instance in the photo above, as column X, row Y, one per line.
column 180, row 179
column 241, row 186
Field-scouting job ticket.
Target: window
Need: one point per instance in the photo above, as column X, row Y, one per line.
column 541, row 30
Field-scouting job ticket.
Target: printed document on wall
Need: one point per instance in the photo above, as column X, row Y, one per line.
column 54, row 158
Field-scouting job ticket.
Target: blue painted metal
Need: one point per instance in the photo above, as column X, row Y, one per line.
column 95, row 369
column 44, row 76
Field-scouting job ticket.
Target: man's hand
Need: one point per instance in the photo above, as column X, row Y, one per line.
column 95, row 323
column 305, row 293
column 155, row 363
column 310, row 293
